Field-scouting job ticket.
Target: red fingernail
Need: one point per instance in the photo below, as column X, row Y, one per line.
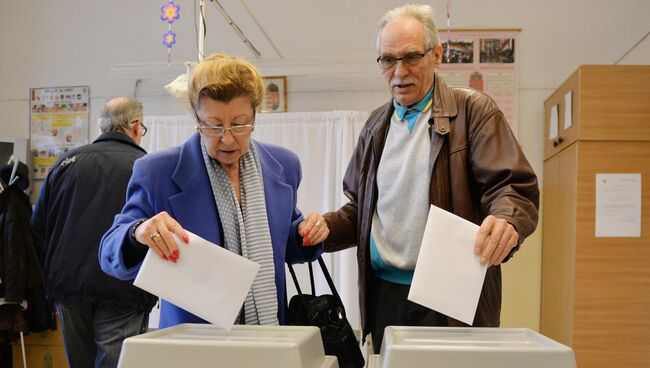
column 176, row 253
column 165, row 258
column 186, row 238
column 174, row 260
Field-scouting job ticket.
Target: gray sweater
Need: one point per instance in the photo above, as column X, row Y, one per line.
column 403, row 179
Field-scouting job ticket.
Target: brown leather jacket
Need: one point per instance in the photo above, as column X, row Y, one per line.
column 478, row 170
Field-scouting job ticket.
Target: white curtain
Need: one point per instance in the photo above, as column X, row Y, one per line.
column 324, row 141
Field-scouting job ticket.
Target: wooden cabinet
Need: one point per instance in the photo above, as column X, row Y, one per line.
column 41, row 350
column 609, row 103
column 596, row 290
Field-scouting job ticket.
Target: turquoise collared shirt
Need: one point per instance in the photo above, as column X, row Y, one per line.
column 412, row 113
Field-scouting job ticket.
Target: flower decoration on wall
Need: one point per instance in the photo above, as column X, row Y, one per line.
column 169, row 39
column 170, row 13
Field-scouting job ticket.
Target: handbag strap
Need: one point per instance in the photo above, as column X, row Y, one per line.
column 311, row 278
column 331, row 284
column 328, row 278
column 295, row 279
column 297, row 285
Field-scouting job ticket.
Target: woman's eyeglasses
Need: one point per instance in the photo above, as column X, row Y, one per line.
column 217, row 131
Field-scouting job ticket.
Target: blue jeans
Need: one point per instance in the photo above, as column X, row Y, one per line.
column 93, row 332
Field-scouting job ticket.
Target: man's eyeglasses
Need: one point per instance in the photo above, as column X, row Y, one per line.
column 218, row 131
column 410, row 59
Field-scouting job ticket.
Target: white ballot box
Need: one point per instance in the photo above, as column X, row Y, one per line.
column 462, row 347
column 203, row 345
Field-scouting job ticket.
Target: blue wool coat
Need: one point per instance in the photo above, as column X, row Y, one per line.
column 176, row 181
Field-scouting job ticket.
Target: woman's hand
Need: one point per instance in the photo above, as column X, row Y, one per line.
column 313, row 229
column 156, row 233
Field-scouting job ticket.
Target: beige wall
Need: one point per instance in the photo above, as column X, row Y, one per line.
column 521, row 285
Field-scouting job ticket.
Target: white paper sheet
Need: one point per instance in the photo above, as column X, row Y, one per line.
column 568, row 110
column 208, row 280
column 618, row 205
column 448, row 275
column 553, row 128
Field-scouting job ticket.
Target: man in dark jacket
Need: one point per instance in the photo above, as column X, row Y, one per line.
column 81, row 195
column 431, row 144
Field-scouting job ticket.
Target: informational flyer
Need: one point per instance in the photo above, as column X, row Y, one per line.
column 59, row 119
column 486, row 61
column 618, row 205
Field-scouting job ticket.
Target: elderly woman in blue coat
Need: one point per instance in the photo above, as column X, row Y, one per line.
column 222, row 186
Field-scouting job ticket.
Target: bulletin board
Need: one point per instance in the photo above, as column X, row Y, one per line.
column 59, row 118
column 485, row 60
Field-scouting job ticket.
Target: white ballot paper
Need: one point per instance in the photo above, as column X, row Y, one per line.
column 448, row 275
column 208, row 280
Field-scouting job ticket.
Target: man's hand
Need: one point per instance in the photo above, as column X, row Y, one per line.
column 494, row 241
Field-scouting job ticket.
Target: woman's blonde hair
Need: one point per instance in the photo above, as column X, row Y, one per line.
column 223, row 77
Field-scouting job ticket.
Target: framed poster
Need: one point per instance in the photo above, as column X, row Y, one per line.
column 484, row 60
column 58, row 122
column 275, row 94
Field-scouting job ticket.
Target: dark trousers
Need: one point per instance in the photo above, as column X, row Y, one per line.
column 93, row 332
column 390, row 307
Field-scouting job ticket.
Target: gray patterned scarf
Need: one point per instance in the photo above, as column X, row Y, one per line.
column 246, row 231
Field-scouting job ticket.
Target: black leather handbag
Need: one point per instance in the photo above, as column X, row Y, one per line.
column 327, row 313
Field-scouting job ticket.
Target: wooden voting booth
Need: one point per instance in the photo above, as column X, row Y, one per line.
column 596, row 290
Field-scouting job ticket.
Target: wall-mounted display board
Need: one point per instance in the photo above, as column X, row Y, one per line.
column 484, row 60
column 58, row 122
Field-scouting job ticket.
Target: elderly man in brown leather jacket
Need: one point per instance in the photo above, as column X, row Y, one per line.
column 431, row 144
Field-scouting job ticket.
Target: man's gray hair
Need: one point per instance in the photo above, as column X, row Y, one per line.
column 423, row 13
column 119, row 113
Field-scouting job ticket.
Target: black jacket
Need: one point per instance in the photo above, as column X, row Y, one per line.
column 85, row 189
column 20, row 272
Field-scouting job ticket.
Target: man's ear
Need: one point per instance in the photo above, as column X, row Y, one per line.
column 136, row 129
column 437, row 56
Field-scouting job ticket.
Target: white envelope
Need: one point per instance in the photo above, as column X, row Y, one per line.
column 448, row 275
column 208, row 280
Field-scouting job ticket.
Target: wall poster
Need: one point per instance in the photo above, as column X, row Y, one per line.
column 59, row 118
column 484, row 60
column 275, row 95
